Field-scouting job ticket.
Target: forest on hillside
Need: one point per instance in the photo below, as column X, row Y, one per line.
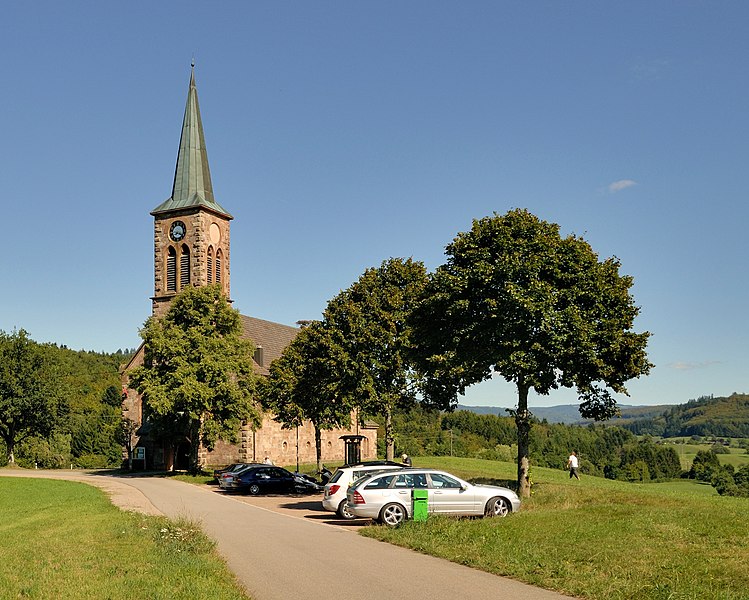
column 604, row 450
column 86, row 416
column 705, row 416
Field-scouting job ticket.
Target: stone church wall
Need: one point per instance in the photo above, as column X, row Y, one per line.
column 281, row 445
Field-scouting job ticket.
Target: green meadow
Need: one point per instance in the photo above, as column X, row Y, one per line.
column 65, row 540
column 594, row 538
column 737, row 457
column 597, row 538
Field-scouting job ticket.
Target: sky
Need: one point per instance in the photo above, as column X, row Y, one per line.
column 340, row 134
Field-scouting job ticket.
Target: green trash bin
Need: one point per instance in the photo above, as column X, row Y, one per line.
column 420, row 505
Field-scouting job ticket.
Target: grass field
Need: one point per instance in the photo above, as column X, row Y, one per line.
column 65, row 540
column 596, row 538
column 738, row 457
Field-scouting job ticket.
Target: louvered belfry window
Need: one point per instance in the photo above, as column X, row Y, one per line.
column 218, row 266
column 210, row 265
column 184, row 268
column 171, row 270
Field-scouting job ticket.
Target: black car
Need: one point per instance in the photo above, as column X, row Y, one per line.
column 264, row 479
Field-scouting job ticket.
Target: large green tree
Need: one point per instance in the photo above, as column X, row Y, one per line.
column 197, row 379
column 517, row 299
column 32, row 399
column 369, row 322
column 303, row 384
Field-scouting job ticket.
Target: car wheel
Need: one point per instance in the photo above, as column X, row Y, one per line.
column 344, row 512
column 392, row 515
column 254, row 489
column 497, row 507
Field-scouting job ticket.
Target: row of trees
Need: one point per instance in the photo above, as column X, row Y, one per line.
column 514, row 298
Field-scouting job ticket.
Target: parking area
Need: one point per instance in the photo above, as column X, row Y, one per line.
column 307, row 507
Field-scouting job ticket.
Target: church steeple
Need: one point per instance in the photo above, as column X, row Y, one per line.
column 192, row 177
column 191, row 229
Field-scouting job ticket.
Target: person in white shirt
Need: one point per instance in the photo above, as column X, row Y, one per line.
column 572, row 464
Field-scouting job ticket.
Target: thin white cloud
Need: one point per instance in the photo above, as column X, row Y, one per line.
column 692, row 366
column 620, row 185
column 650, row 69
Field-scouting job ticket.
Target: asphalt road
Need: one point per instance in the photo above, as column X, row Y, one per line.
column 283, row 548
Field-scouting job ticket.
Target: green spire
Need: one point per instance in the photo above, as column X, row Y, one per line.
column 192, row 177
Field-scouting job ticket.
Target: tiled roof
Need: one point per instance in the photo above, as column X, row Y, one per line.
column 271, row 337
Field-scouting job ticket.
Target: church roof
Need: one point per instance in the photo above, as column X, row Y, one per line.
column 192, row 178
column 271, row 337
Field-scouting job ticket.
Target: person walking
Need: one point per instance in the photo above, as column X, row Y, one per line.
column 406, row 459
column 572, row 465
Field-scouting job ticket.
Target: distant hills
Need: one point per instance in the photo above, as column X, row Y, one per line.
column 722, row 417
column 570, row 413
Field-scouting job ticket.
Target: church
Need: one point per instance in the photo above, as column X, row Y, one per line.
column 191, row 237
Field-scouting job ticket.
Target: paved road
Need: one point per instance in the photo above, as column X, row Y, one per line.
column 279, row 556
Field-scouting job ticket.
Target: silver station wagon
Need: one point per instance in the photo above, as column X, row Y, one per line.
column 387, row 497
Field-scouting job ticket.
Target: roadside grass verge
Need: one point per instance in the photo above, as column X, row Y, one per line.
column 596, row 538
column 63, row 539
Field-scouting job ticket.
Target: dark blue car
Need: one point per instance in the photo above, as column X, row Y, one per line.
column 264, row 479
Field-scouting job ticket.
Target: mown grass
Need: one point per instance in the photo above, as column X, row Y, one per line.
column 597, row 538
column 62, row 539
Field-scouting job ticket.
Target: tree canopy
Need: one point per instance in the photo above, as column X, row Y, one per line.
column 197, row 379
column 369, row 321
column 517, row 299
column 303, row 384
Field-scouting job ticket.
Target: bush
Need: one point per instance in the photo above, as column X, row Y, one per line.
column 93, row 461
column 53, row 453
column 636, row 471
column 703, row 466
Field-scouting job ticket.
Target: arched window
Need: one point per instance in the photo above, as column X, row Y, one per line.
column 219, row 256
column 184, row 268
column 210, row 264
column 171, row 270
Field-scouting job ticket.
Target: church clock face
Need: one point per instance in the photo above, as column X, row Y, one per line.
column 177, row 231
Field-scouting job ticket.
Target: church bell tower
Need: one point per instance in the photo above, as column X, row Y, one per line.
column 191, row 229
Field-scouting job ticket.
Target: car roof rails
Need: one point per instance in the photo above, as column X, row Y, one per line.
column 374, row 463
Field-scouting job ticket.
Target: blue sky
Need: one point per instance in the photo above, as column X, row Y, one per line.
column 343, row 133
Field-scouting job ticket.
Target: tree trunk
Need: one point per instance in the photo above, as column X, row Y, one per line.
column 195, row 447
column 389, row 437
column 318, row 447
column 523, row 422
